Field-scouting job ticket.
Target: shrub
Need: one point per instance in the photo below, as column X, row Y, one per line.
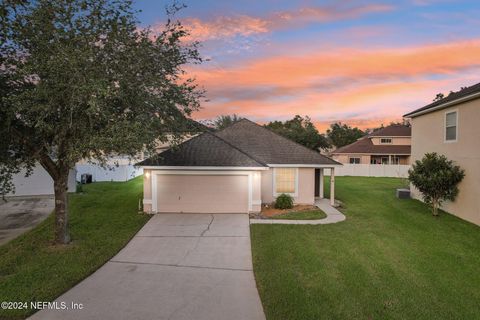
column 284, row 201
column 436, row 178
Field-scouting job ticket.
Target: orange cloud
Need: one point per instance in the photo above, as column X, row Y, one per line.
column 243, row 25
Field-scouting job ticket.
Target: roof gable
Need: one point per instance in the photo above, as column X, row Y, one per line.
column 268, row 147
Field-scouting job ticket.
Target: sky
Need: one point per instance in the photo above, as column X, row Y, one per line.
column 364, row 63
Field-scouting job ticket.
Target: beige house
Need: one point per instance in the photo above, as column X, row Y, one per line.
column 235, row 170
column 389, row 145
column 451, row 127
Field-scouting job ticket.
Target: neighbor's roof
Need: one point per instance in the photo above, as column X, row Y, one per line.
column 365, row 145
column 396, row 130
column 269, row 147
column 243, row 144
column 453, row 98
column 203, row 150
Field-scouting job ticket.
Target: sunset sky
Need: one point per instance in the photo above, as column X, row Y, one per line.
column 360, row 62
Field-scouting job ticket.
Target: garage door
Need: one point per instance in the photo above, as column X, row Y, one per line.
column 202, row 193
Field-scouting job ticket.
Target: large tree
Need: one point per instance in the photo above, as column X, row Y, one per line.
column 301, row 130
column 341, row 134
column 79, row 79
column 223, row 121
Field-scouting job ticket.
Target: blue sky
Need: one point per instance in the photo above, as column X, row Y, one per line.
column 360, row 62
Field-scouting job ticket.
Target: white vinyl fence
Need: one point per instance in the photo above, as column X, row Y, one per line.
column 122, row 172
column 372, row 170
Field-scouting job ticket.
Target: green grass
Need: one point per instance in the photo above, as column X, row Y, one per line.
column 301, row 215
column 102, row 221
column 389, row 260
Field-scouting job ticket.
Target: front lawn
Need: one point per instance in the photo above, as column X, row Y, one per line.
column 102, row 221
column 389, row 260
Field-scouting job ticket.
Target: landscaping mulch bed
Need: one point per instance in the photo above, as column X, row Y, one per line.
column 269, row 211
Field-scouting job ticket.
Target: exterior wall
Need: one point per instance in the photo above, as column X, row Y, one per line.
column 306, row 186
column 428, row 136
column 147, row 190
column 39, row 183
column 345, row 158
column 399, row 141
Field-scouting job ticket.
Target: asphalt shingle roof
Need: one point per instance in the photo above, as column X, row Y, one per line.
column 203, row 150
column 269, row 147
column 395, row 130
column 243, row 144
column 365, row 145
column 450, row 98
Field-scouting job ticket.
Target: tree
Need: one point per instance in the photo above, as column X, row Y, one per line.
column 439, row 97
column 436, row 178
column 223, row 121
column 301, row 130
column 80, row 80
column 342, row 134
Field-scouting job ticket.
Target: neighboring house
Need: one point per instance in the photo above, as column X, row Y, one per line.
column 122, row 168
column 39, row 183
column 389, row 145
column 232, row 171
column 451, row 127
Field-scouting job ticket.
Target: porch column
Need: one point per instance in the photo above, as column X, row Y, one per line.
column 320, row 192
column 389, row 159
column 332, row 187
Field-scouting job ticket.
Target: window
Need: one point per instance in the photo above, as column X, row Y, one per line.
column 355, row 160
column 451, row 126
column 386, row 140
column 285, row 180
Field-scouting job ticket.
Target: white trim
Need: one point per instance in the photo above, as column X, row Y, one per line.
column 202, row 168
column 443, row 105
column 273, row 165
column 274, row 184
column 445, row 126
column 147, row 201
column 155, row 173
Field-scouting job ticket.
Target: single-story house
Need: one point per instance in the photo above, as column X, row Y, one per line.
column 450, row 127
column 234, row 170
column 389, row 145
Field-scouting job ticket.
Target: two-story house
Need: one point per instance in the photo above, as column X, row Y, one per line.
column 389, row 145
column 450, row 127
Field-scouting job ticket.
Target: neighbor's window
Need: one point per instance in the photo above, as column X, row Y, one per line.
column 386, row 140
column 355, row 160
column 451, row 126
column 285, row 180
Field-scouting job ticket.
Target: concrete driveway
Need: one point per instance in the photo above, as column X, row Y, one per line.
column 179, row 266
column 18, row 215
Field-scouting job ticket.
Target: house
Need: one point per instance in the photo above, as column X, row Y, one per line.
column 121, row 167
column 450, row 127
column 233, row 170
column 389, row 145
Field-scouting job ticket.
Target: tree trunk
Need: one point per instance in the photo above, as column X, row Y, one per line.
column 61, row 208
column 435, row 208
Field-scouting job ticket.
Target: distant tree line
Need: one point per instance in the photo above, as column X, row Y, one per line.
column 302, row 130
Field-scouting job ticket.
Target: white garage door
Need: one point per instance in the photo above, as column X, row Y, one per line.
column 202, row 193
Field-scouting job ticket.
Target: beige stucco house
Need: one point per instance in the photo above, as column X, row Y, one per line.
column 451, row 127
column 389, row 145
column 234, row 170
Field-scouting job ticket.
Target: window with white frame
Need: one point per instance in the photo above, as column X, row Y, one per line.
column 354, row 160
column 451, row 126
column 285, row 180
column 386, row 140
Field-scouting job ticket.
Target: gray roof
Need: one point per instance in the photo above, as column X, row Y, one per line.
column 269, row 147
column 243, row 144
column 452, row 97
column 203, row 150
column 394, row 130
column 365, row 145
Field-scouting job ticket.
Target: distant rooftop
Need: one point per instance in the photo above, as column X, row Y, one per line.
column 395, row 130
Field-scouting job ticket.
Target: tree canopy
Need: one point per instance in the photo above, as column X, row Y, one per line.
column 79, row 79
column 437, row 178
column 224, row 121
column 301, row 130
column 341, row 134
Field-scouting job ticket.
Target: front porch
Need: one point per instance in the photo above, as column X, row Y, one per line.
column 320, row 185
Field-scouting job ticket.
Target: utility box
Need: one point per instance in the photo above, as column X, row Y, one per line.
column 403, row 193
